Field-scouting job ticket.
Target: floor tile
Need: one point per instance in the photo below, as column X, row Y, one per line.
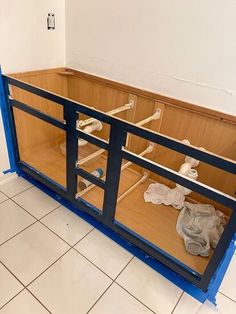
column 149, row 287
column 14, row 186
column 228, row 286
column 67, row 225
column 24, row 303
column 36, row 202
column 71, row 285
column 31, row 252
column 104, row 253
column 13, row 219
column 9, row 286
column 116, row 301
column 3, row 197
column 189, row 305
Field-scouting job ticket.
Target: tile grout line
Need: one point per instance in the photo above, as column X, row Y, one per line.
column 71, row 247
column 4, row 200
column 18, row 233
column 172, row 312
column 132, row 295
column 227, row 296
column 12, row 298
column 49, row 213
column 39, row 220
column 124, row 267
column 92, row 263
column 36, row 220
column 127, row 290
column 114, row 281
column 24, row 288
column 38, row 300
column 54, row 233
column 31, row 213
column 10, row 197
column 12, row 274
column 100, row 297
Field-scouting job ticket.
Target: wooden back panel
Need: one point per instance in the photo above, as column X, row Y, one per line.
column 31, row 131
column 98, row 96
column 202, row 131
column 202, row 127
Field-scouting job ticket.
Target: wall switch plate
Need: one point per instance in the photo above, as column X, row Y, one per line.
column 51, row 21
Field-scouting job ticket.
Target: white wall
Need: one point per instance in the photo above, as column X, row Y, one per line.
column 26, row 44
column 183, row 49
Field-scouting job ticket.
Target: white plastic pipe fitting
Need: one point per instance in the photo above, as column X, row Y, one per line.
column 94, row 126
column 186, row 170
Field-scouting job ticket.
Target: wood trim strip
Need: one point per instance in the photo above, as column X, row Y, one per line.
column 153, row 96
column 35, row 73
column 133, row 90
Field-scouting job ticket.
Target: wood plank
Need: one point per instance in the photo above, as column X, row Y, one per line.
column 155, row 97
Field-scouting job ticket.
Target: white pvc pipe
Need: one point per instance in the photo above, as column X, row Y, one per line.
column 128, row 106
column 186, row 170
column 148, row 150
column 142, row 180
column 155, row 116
column 90, row 157
column 95, row 126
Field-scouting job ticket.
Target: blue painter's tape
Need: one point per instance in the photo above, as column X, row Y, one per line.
column 7, row 171
column 221, row 271
column 7, row 125
column 183, row 284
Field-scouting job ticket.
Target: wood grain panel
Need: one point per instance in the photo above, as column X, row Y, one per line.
column 31, row 131
column 214, row 135
column 98, row 96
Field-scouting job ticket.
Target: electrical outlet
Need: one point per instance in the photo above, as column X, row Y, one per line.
column 51, row 21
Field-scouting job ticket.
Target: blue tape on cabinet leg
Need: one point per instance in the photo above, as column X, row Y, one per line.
column 219, row 276
column 7, row 125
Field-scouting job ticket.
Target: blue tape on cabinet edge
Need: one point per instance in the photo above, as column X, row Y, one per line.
column 219, row 276
column 183, row 284
column 7, row 128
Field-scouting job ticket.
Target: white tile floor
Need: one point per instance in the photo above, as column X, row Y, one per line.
column 51, row 261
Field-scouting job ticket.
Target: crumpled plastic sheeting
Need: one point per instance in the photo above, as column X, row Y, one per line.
column 201, row 227
column 158, row 193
